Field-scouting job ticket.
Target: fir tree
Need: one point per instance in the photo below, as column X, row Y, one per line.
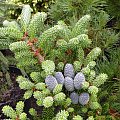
column 38, row 52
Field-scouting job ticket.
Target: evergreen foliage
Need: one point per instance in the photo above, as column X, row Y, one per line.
column 61, row 73
column 14, row 115
column 69, row 9
column 48, row 113
column 48, row 102
column 33, row 112
column 33, row 47
column 48, row 66
column 113, row 8
column 57, row 89
column 62, row 115
column 4, row 61
column 101, row 29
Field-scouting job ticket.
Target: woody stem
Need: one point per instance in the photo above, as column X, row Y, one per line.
column 39, row 56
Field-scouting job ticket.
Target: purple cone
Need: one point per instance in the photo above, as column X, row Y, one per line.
column 69, row 84
column 59, row 77
column 74, row 97
column 51, row 82
column 84, row 98
column 78, row 80
column 69, row 71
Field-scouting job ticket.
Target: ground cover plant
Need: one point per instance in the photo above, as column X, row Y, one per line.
column 60, row 75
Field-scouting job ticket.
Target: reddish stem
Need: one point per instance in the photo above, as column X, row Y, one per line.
column 17, row 118
column 39, row 56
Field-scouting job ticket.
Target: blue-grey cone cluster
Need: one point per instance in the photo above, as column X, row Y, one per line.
column 71, row 82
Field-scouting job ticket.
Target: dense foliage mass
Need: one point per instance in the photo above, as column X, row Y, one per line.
column 68, row 68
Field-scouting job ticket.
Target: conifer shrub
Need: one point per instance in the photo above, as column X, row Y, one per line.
column 60, row 73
